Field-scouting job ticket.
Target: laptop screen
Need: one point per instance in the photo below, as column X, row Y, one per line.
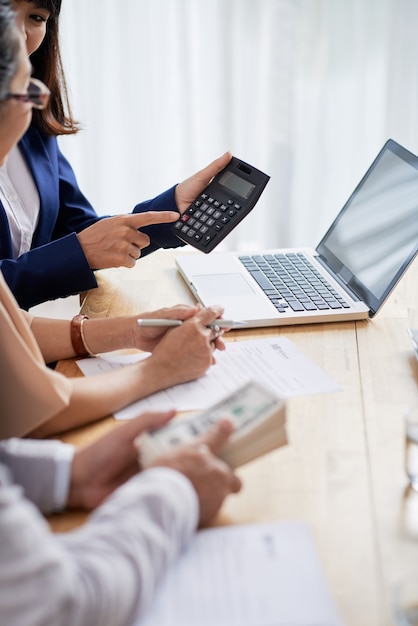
column 375, row 235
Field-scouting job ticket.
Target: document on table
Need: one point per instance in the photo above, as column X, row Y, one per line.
column 255, row 575
column 276, row 362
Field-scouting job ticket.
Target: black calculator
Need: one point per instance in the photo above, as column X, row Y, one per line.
column 228, row 198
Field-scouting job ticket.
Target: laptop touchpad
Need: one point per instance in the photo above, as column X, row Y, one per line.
column 222, row 285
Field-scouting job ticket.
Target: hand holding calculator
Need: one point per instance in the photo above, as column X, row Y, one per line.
column 228, row 198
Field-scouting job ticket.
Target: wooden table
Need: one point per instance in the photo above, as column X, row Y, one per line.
column 343, row 470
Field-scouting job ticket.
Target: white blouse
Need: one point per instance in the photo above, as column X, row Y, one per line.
column 20, row 199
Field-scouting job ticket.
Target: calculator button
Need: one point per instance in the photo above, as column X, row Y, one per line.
column 208, row 238
column 213, row 214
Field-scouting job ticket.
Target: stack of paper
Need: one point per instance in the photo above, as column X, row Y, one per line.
column 257, row 575
column 275, row 362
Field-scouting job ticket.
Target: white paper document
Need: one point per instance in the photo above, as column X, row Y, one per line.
column 276, row 362
column 256, row 575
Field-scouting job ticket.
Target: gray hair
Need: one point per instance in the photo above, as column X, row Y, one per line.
column 9, row 46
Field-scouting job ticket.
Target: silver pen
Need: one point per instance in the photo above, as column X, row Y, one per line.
column 216, row 325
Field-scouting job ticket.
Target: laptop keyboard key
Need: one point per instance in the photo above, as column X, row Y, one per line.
column 292, row 280
column 295, row 305
column 261, row 279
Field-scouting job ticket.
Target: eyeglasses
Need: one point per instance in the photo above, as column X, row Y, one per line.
column 37, row 94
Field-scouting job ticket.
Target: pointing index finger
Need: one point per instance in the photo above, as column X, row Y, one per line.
column 138, row 220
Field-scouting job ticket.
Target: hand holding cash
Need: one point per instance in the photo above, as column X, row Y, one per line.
column 257, row 413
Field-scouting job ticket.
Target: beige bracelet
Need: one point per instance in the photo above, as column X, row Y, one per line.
column 77, row 336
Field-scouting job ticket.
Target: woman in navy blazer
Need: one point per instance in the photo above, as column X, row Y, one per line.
column 67, row 243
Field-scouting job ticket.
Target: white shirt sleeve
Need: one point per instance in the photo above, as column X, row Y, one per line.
column 103, row 573
column 42, row 468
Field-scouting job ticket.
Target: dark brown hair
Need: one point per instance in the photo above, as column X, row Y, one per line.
column 56, row 118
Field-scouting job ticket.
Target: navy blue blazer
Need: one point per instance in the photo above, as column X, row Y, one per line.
column 56, row 267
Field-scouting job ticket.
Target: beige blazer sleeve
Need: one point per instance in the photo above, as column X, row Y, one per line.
column 30, row 392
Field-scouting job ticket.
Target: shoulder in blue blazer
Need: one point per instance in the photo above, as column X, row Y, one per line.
column 56, row 267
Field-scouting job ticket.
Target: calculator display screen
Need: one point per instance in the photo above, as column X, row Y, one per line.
column 236, row 184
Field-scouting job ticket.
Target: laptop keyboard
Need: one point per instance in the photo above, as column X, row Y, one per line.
column 290, row 280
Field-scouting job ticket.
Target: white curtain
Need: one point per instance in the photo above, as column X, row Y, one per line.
column 306, row 90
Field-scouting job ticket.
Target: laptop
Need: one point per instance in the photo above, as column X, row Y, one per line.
column 348, row 276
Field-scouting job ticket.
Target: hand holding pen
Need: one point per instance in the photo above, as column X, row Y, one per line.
column 152, row 328
column 218, row 325
column 192, row 334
